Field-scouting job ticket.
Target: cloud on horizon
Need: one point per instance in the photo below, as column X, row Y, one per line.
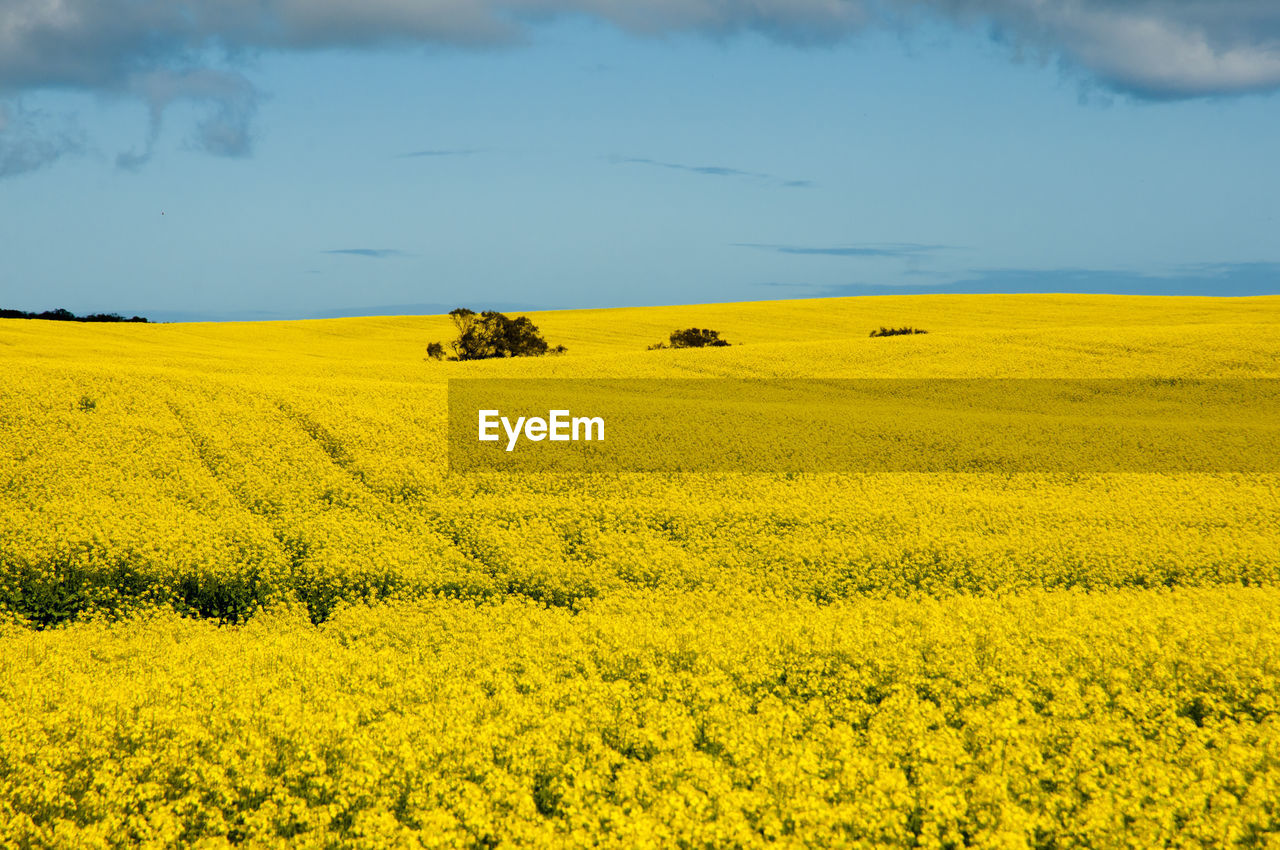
column 371, row 253
column 1219, row 279
column 891, row 249
column 372, row 310
column 162, row 52
column 711, row 171
column 435, row 153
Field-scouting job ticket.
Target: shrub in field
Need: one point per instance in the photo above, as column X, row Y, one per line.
column 491, row 334
column 692, row 338
column 903, row 331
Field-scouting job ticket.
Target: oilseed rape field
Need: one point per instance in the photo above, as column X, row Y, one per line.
column 245, row 601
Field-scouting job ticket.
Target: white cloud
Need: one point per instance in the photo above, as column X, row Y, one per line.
column 159, row 50
column 1149, row 48
column 1163, row 48
column 1168, row 58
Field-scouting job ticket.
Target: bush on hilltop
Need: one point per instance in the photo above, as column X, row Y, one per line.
column 692, row 338
column 903, row 331
column 490, row 334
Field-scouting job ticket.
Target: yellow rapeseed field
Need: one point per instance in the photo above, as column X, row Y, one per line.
column 243, row 601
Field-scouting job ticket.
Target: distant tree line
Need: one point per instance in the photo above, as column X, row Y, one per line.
column 61, row 315
column 482, row 336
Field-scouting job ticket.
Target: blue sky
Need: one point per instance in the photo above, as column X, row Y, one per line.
column 650, row 153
